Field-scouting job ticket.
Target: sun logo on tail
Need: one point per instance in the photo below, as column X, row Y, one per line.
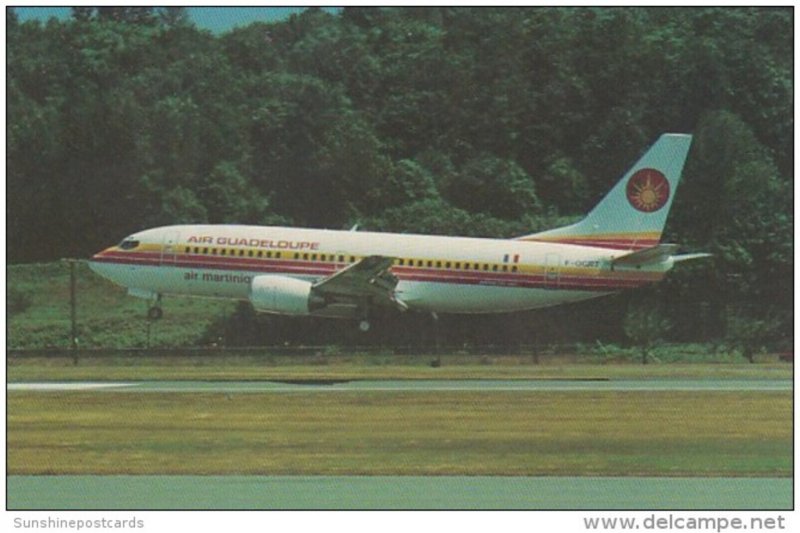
column 647, row 190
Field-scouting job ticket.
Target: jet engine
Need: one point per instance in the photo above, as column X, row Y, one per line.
column 283, row 295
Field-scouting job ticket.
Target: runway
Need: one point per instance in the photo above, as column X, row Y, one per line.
column 233, row 387
column 396, row 492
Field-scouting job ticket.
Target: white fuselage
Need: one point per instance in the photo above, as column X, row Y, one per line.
column 435, row 273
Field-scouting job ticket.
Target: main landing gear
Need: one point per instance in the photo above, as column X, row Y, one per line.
column 154, row 312
column 362, row 314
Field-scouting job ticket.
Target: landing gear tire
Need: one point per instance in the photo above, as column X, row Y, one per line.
column 155, row 313
column 364, row 326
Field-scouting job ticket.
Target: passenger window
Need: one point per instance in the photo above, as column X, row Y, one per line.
column 341, row 259
column 514, row 268
column 447, row 265
column 250, row 253
column 269, row 254
column 278, row 255
column 260, row 253
column 205, row 250
column 430, row 264
column 196, row 250
column 494, row 268
column 214, row 251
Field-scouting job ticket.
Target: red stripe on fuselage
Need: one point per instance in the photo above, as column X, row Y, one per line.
column 282, row 266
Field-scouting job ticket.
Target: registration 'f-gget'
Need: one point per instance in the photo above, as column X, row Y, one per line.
column 345, row 274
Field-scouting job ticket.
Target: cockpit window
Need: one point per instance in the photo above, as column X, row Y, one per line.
column 128, row 244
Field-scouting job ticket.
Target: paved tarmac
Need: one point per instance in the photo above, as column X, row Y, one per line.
column 395, row 492
column 765, row 385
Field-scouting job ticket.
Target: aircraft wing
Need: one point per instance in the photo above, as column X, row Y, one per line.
column 368, row 278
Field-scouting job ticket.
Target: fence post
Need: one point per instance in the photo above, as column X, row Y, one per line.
column 72, row 312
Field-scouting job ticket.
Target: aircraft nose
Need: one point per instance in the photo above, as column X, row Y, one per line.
column 98, row 262
column 98, row 256
column 93, row 264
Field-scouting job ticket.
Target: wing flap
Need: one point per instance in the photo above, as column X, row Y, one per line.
column 368, row 278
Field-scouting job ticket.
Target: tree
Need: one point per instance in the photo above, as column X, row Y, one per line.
column 495, row 186
column 408, row 181
column 173, row 16
column 83, row 13
column 734, row 205
column 231, row 198
column 749, row 332
column 145, row 16
column 645, row 325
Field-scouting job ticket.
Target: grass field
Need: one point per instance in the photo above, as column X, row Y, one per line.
column 528, row 433
column 38, row 306
column 408, row 433
column 106, row 315
column 266, row 367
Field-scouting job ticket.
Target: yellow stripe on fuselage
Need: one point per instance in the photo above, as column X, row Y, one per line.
column 323, row 258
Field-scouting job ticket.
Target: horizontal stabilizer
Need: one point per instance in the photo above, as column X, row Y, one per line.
column 655, row 254
column 688, row 257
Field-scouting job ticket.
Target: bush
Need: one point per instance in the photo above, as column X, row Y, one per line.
column 17, row 301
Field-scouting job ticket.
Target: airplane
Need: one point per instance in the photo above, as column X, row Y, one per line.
column 348, row 274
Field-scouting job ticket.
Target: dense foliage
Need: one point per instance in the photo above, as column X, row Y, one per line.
column 489, row 122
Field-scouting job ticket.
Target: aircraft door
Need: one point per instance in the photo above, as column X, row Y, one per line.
column 169, row 250
column 552, row 270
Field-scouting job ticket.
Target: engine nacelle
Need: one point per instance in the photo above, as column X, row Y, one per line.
column 283, row 295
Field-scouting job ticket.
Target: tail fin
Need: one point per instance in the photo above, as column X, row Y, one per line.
column 633, row 214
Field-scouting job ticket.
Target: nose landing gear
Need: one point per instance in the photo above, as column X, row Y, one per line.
column 154, row 312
